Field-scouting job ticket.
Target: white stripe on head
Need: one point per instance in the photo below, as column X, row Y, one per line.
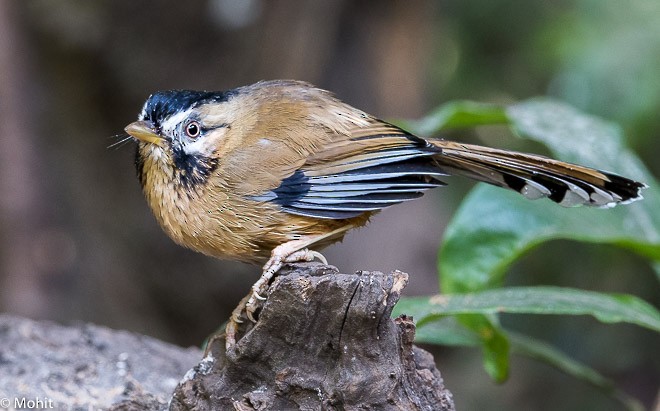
column 200, row 146
column 170, row 124
column 143, row 113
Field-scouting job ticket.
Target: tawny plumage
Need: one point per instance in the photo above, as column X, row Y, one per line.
column 265, row 172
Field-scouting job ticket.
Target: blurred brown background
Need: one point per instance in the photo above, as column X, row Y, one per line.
column 79, row 243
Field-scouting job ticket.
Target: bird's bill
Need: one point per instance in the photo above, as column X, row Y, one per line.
column 143, row 131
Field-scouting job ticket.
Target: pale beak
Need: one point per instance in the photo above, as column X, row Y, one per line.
column 142, row 130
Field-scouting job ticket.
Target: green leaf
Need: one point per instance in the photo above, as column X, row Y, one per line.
column 448, row 331
column 476, row 313
column 477, row 251
column 656, row 268
column 445, row 331
column 466, row 330
column 493, row 227
column 458, row 114
column 494, row 344
column 608, row 308
column 541, row 351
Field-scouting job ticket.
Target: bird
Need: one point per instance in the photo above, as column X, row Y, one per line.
column 272, row 172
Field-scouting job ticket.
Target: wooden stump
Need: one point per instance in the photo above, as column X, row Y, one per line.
column 323, row 341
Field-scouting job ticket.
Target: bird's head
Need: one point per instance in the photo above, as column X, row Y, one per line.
column 181, row 131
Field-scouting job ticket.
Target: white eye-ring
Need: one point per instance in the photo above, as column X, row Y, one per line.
column 193, row 129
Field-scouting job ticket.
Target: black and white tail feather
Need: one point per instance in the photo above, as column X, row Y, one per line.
column 537, row 177
column 392, row 166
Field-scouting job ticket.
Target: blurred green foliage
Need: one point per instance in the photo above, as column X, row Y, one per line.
column 493, row 228
column 602, row 57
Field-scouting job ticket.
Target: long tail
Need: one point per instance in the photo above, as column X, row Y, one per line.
column 536, row 176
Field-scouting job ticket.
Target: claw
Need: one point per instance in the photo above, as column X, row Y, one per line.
column 249, row 315
column 319, row 256
column 249, row 310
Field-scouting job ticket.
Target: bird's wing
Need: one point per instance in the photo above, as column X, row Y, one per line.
column 364, row 169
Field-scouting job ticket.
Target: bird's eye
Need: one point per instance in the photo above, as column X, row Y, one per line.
column 193, row 129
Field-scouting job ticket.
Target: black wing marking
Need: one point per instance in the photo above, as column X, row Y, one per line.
column 351, row 193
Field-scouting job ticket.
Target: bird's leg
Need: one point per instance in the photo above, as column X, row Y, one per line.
column 232, row 325
column 285, row 253
column 289, row 252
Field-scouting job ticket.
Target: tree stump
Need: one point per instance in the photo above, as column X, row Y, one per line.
column 323, row 341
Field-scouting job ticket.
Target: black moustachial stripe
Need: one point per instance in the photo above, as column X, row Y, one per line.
column 191, row 169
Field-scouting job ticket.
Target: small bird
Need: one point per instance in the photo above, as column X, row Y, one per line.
column 272, row 172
